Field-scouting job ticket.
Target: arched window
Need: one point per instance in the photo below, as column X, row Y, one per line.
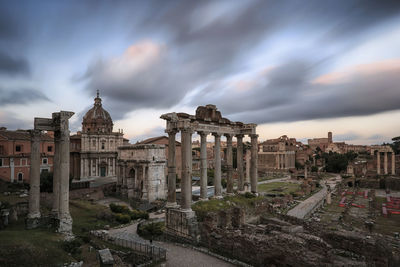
column 132, row 173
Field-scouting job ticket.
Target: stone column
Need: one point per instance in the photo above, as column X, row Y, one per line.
column 239, row 161
column 65, row 224
column 186, row 182
column 229, row 160
column 56, row 176
column 247, row 182
column 287, row 161
column 34, row 191
column 393, row 164
column 253, row 163
column 203, row 165
column 171, row 202
column 217, row 166
column 378, row 163
column 277, row 156
column 385, row 162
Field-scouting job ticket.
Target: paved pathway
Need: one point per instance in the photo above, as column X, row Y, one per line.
column 306, row 206
column 185, row 257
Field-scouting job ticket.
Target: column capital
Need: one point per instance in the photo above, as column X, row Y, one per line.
column 216, row 134
column 253, row 135
column 171, row 131
column 201, row 133
column 239, row 136
column 187, row 130
column 228, row 136
column 35, row 133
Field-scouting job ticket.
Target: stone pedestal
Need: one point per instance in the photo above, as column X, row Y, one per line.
column 182, row 224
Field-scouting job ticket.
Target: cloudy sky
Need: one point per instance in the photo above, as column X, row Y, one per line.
column 300, row 68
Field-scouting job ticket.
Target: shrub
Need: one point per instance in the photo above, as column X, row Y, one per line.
column 119, row 208
column 137, row 214
column 151, row 230
column 122, row 218
column 72, row 246
column 249, row 195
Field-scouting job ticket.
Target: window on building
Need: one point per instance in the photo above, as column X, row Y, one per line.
column 49, row 149
column 103, row 145
column 44, row 161
column 20, row 177
column 1, row 162
column 18, row 148
column 1, row 150
column 94, row 142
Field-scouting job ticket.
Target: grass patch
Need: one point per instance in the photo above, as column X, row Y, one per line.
column 39, row 247
column 279, row 187
column 89, row 216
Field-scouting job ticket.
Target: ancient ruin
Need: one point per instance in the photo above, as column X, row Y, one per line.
column 142, row 172
column 59, row 124
column 377, row 150
column 208, row 120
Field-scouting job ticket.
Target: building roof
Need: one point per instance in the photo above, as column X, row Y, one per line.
column 153, row 140
column 21, row 135
column 97, row 119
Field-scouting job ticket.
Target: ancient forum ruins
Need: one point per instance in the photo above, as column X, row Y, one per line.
column 59, row 124
column 208, row 120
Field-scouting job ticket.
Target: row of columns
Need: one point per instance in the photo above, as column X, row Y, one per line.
column 284, row 161
column 186, row 181
column 61, row 166
column 385, row 163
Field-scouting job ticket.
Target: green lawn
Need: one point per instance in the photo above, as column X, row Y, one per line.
column 39, row 247
column 43, row 247
column 88, row 216
column 279, row 188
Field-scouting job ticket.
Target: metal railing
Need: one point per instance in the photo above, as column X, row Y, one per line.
column 153, row 252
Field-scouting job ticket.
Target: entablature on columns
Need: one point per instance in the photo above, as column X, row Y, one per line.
column 381, row 149
column 207, row 120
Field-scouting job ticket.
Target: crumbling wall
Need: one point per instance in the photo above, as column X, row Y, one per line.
column 291, row 242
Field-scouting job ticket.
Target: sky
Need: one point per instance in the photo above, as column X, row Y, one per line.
column 294, row 67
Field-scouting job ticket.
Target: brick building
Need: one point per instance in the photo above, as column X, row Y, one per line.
column 15, row 151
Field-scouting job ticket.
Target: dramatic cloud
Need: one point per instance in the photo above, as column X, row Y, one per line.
column 21, row 96
column 366, row 90
column 12, row 66
column 11, row 121
column 206, row 42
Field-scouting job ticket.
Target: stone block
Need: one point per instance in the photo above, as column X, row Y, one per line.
column 105, row 257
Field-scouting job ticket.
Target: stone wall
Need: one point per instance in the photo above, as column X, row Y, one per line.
column 291, row 243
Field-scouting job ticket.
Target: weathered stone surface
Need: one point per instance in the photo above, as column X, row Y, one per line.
column 105, row 257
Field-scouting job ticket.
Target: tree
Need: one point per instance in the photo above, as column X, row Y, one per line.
column 396, row 144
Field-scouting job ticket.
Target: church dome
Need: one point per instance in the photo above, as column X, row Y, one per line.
column 97, row 119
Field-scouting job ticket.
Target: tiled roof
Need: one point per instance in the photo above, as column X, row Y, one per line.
column 154, row 139
column 21, row 135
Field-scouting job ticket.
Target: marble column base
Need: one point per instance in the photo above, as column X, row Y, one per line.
column 65, row 225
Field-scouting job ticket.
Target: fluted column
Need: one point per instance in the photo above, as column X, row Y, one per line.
column 203, row 165
column 56, row 175
column 239, row 161
column 378, row 163
column 171, row 202
column 186, row 182
column 65, row 225
column 393, row 163
column 34, row 180
column 229, row 160
column 385, row 163
column 217, row 166
column 253, row 162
